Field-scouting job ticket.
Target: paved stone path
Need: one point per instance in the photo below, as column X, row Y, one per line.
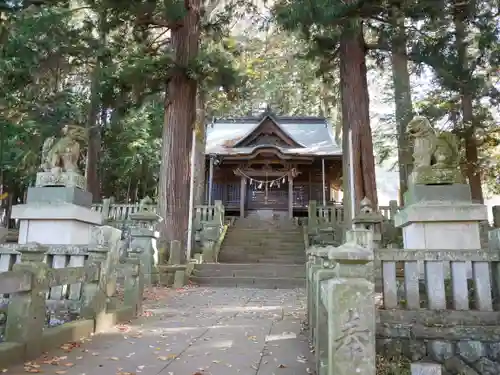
column 196, row 331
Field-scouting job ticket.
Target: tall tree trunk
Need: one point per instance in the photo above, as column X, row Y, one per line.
column 355, row 114
column 180, row 116
column 94, row 112
column 94, row 144
column 199, row 174
column 462, row 11
column 402, row 94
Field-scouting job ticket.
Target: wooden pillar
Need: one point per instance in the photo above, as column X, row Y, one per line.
column 243, row 190
column 323, row 184
column 290, row 196
column 310, row 197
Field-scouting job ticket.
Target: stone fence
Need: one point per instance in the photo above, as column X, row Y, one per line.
column 435, row 305
column 121, row 213
column 326, row 226
column 57, row 294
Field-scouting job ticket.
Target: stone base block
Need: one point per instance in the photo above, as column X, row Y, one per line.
column 55, row 223
column 441, row 212
column 424, row 193
column 430, row 175
column 50, row 194
column 68, row 179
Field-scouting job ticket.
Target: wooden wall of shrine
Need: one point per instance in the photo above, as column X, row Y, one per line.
column 226, row 186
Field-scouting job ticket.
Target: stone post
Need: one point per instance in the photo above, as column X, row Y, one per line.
column 3, row 234
column 312, row 215
column 26, row 312
column 175, row 253
column 106, row 206
column 95, row 294
column 349, row 300
column 144, row 236
column 219, row 209
column 496, row 217
column 393, row 209
column 314, row 272
column 134, row 282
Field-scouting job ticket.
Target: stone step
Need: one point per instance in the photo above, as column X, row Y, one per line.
column 258, row 240
column 250, row 282
column 267, row 229
column 263, row 249
column 250, row 270
column 268, row 236
column 260, row 257
column 263, row 260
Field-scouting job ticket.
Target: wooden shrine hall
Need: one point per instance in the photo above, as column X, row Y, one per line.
column 272, row 163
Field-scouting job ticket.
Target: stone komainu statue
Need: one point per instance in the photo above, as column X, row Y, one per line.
column 432, row 148
column 62, row 155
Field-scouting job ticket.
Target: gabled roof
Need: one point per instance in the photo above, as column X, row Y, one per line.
column 311, row 135
column 271, row 123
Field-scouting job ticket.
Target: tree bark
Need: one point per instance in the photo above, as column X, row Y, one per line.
column 180, row 116
column 402, row 95
column 199, row 176
column 462, row 12
column 355, row 113
column 93, row 125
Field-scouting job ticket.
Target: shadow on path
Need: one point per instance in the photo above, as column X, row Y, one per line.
column 202, row 331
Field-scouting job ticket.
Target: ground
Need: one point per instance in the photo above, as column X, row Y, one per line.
column 202, row 331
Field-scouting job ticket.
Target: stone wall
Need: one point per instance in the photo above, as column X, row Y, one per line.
column 463, row 349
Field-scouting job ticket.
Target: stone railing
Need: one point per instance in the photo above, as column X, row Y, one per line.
column 441, row 305
column 334, row 214
column 116, row 213
column 122, row 212
column 47, row 304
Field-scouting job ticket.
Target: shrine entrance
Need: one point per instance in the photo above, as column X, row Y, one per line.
column 268, row 185
column 267, row 197
column 271, row 164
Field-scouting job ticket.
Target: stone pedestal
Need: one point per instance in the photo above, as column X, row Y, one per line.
column 425, row 193
column 441, row 225
column 55, row 213
column 448, row 224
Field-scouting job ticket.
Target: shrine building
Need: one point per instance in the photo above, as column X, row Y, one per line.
column 273, row 163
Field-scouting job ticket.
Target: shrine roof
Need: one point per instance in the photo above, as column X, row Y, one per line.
column 314, row 135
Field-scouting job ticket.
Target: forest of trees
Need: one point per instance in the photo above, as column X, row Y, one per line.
column 142, row 75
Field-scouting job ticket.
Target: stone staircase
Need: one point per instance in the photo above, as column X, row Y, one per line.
column 264, row 276
column 264, row 251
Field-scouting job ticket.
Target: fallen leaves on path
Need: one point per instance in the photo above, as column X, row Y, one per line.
column 32, row 367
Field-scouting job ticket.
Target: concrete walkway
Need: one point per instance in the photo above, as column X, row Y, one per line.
column 195, row 331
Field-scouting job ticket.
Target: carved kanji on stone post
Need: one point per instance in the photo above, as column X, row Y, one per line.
column 349, row 302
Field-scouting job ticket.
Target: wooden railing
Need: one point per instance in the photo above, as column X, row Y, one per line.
column 34, row 278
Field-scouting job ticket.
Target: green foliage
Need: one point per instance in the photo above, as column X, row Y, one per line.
column 131, row 158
